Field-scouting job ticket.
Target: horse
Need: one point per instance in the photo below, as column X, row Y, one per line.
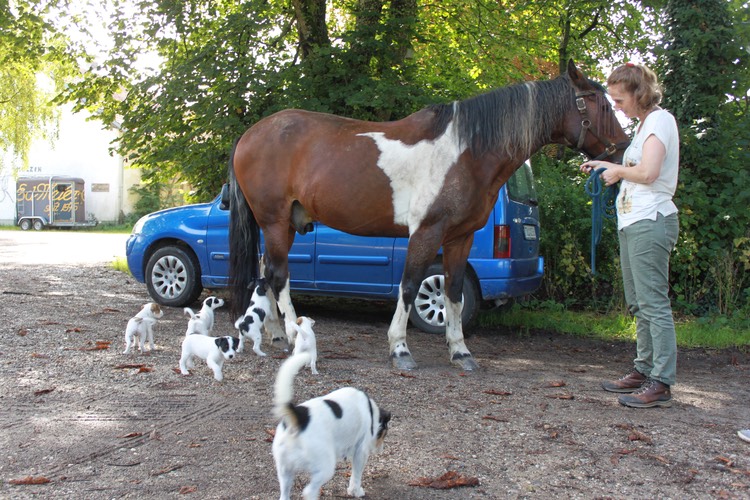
column 432, row 176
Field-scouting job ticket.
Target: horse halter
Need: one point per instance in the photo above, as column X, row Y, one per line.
column 610, row 148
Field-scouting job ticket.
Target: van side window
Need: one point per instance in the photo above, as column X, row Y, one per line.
column 521, row 186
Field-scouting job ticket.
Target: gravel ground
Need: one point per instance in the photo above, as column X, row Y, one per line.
column 532, row 423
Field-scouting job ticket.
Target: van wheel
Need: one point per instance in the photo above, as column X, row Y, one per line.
column 173, row 277
column 38, row 225
column 25, row 225
column 428, row 310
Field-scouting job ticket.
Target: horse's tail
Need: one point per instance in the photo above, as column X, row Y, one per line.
column 283, row 391
column 244, row 244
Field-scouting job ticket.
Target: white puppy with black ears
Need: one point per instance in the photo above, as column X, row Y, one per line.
column 142, row 325
column 213, row 350
column 203, row 322
column 304, row 340
column 251, row 323
column 313, row 435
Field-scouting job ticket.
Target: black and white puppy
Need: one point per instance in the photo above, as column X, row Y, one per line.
column 251, row 323
column 313, row 435
column 203, row 322
column 213, row 350
column 142, row 325
column 305, row 340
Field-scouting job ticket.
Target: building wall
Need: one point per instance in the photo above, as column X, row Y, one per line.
column 81, row 149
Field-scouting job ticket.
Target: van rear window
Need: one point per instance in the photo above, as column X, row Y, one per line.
column 521, row 186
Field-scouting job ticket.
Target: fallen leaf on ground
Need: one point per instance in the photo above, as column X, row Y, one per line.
column 41, row 392
column 496, row 419
column 450, row 479
column 132, row 435
column 188, row 489
column 407, row 375
column 22, row 332
column 39, row 355
column 98, row 346
column 639, row 436
column 494, row 392
column 30, row 480
column 561, row 396
column 556, row 383
column 75, row 329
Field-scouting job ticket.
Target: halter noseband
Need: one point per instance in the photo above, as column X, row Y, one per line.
column 609, row 148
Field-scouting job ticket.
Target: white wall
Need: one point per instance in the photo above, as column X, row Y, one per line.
column 81, row 149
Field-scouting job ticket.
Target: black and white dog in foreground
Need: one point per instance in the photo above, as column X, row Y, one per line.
column 313, row 435
column 213, row 350
column 203, row 322
column 251, row 323
column 142, row 325
column 305, row 341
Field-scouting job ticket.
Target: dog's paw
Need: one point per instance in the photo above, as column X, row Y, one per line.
column 356, row 492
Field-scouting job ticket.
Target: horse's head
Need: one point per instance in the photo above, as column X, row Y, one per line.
column 590, row 124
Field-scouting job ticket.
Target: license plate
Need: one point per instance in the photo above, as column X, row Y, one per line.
column 529, row 232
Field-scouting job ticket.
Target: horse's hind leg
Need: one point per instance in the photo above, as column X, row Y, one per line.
column 272, row 325
column 454, row 265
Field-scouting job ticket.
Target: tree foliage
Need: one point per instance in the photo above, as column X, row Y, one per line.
column 34, row 65
column 705, row 77
column 225, row 64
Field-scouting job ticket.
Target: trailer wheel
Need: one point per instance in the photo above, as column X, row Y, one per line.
column 25, row 224
column 38, row 225
column 173, row 277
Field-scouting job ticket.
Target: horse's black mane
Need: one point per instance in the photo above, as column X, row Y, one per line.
column 511, row 119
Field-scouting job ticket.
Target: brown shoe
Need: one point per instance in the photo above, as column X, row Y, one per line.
column 653, row 393
column 629, row 383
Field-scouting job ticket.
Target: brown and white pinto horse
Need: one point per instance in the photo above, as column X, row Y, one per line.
column 433, row 176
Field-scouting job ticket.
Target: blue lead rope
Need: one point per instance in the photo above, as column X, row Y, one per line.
column 602, row 207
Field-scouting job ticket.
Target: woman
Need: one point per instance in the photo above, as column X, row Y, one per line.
column 647, row 229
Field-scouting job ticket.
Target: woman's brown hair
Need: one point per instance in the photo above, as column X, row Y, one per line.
column 640, row 81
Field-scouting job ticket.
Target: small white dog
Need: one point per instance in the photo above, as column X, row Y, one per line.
column 203, row 322
column 213, row 350
column 313, row 435
column 305, row 339
column 251, row 323
column 142, row 325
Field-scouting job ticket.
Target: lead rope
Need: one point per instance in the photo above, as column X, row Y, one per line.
column 602, row 207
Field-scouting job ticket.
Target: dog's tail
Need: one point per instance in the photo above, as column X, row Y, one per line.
column 284, row 407
column 189, row 312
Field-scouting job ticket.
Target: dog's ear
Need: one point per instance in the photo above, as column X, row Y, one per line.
column 299, row 320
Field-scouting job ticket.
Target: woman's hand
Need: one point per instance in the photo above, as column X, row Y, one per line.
column 611, row 174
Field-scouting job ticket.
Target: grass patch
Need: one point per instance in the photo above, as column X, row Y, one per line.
column 691, row 332
column 120, row 264
column 99, row 228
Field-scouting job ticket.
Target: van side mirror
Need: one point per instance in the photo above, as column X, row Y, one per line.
column 224, row 205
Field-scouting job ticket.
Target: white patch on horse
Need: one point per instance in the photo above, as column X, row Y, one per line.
column 417, row 172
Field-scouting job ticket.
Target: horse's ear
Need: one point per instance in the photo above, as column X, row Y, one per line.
column 578, row 79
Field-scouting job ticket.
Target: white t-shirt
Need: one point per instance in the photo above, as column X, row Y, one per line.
column 644, row 201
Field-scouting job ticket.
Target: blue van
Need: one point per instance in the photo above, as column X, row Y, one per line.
column 178, row 252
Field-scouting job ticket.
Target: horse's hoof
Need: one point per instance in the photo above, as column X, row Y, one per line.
column 281, row 344
column 403, row 361
column 465, row 361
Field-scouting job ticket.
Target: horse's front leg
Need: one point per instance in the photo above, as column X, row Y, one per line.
column 400, row 355
column 423, row 246
column 454, row 265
